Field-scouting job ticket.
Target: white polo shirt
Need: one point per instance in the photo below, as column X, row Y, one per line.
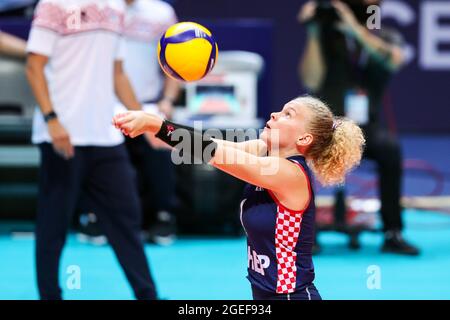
column 82, row 39
column 145, row 22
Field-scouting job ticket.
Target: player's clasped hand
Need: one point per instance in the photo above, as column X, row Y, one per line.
column 135, row 123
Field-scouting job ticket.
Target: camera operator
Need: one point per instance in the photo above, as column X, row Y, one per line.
column 349, row 66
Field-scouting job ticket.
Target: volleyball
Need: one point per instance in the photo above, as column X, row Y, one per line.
column 187, row 51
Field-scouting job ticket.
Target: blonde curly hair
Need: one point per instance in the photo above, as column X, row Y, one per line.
column 337, row 145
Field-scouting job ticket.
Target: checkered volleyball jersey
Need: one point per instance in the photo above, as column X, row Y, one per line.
column 279, row 240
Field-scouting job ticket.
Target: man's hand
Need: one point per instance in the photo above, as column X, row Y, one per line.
column 307, row 12
column 60, row 139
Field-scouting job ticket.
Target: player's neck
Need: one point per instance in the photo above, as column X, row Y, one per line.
column 284, row 153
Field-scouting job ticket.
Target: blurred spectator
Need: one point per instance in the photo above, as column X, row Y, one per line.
column 75, row 70
column 145, row 22
column 349, row 66
column 12, row 46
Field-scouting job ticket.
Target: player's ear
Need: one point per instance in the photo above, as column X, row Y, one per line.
column 304, row 140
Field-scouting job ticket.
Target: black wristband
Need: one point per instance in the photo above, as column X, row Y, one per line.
column 199, row 146
column 49, row 116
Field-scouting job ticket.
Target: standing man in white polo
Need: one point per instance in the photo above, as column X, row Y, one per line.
column 75, row 70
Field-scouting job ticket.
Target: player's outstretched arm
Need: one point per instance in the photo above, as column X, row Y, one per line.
column 273, row 173
column 134, row 124
column 256, row 147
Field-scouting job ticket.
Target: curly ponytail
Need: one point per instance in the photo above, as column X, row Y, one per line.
column 337, row 143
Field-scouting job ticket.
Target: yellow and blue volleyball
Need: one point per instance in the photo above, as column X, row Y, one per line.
column 187, row 51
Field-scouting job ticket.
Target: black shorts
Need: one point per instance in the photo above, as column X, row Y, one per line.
column 310, row 292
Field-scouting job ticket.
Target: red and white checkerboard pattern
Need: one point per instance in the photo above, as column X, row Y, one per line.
column 286, row 237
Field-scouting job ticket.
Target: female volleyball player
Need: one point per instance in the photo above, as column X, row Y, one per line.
column 278, row 209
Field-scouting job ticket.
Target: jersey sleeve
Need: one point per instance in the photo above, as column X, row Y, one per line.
column 46, row 28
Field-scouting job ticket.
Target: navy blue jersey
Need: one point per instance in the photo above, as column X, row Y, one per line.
column 279, row 240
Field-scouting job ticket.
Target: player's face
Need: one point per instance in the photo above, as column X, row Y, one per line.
column 286, row 126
